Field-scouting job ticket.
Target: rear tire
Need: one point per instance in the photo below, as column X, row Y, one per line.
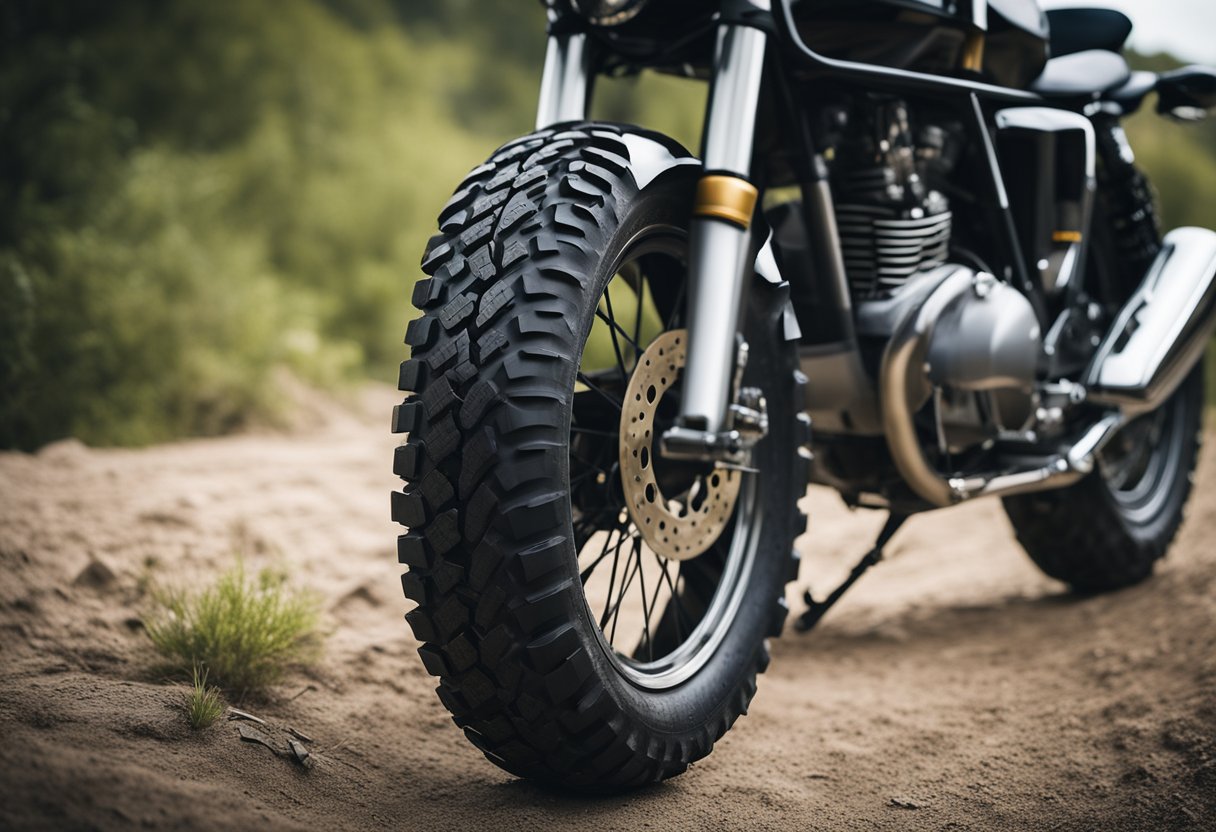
column 528, row 245
column 1107, row 531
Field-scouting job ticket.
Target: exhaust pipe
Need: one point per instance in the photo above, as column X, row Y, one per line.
column 1162, row 331
column 904, row 387
column 1158, row 337
column 1156, row 340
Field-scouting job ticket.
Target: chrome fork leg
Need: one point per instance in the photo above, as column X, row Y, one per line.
column 565, row 81
column 720, row 239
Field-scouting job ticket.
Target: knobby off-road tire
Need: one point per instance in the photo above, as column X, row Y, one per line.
column 1107, row 531
column 526, row 248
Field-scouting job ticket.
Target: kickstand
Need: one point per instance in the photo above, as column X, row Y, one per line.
column 817, row 609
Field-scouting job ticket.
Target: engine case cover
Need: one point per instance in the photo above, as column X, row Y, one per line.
column 987, row 339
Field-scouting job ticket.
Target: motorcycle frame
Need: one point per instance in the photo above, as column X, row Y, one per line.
column 753, row 40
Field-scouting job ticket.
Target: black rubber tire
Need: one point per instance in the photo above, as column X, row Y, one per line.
column 1082, row 536
column 526, row 248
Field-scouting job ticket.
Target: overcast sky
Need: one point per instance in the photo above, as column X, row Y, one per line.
column 1187, row 28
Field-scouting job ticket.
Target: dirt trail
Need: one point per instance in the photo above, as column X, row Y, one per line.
column 954, row 688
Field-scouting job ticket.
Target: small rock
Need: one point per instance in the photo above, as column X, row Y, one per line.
column 907, row 803
column 28, row 604
column 165, row 518
column 361, row 595
column 300, row 753
column 97, row 575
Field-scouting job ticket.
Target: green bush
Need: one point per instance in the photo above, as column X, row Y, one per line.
column 198, row 195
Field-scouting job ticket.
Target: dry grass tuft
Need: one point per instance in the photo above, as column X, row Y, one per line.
column 203, row 704
column 246, row 632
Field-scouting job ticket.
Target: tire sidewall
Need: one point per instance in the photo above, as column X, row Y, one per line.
column 1163, row 523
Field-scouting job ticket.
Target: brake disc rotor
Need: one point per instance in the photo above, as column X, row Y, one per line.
column 677, row 527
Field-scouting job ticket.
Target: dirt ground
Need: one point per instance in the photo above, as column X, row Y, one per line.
column 954, row 688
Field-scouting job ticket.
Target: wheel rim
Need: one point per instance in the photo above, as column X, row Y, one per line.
column 658, row 619
column 1143, row 459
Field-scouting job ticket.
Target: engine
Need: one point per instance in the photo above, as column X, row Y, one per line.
column 973, row 376
column 892, row 224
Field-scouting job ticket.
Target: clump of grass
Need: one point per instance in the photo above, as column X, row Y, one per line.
column 203, row 704
column 246, row 631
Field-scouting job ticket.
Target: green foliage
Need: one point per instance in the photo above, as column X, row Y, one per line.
column 204, row 705
column 246, row 632
column 198, row 197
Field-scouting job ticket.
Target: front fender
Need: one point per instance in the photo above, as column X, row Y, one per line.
column 653, row 156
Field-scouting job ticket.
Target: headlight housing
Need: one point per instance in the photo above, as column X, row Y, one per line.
column 608, row 12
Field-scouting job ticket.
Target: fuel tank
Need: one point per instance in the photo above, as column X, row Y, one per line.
column 928, row 35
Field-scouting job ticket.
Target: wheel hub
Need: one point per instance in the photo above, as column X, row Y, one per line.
column 677, row 527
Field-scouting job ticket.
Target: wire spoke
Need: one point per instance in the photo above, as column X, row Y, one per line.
column 584, row 528
column 610, row 434
column 603, row 551
column 591, row 385
column 630, row 574
column 616, row 329
column 602, row 509
column 616, row 559
column 616, row 345
column 675, row 601
column 582, row 478
column 675, row 307
column 612, row 320
column 646, row 610
column 588, row 463
column 586, row 573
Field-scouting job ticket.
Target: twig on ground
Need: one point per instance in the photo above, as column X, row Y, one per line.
column 250, row 735
column 235, row 713
column 303, row 691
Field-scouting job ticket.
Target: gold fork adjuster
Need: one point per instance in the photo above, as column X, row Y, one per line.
column 726, row 198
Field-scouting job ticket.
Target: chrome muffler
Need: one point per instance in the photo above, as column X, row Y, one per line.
column 1162, row 331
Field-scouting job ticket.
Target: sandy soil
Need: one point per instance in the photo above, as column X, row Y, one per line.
column 954, row 688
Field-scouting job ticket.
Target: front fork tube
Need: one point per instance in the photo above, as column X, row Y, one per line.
column 720, row 239
column 566, row 81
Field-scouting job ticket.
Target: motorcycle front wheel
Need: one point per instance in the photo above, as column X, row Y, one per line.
column 596, row 614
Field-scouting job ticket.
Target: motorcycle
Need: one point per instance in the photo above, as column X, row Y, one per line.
column 914, row 261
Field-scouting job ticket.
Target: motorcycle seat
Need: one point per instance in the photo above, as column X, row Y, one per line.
column 1082, row 75
column 1079, row 30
